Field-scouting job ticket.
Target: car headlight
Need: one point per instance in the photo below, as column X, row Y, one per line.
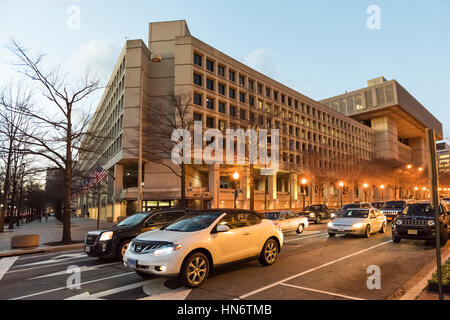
column 357, row 225
column 166, row 249
column 330, row 224
column 106, row 236
column 333, row 215
column 311, row 214
column 398, row 222
column 431, row 222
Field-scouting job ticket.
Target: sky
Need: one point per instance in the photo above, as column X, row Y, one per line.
column 319, row 48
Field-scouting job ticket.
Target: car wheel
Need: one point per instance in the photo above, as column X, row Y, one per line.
column 331, row 234
column 195, row 270
column 269, row 252
column 123, row 246
column 396, row 239
column 368, row 231
column 144, row 275
column 300, row 228
column 317, row 221
column 383, row 228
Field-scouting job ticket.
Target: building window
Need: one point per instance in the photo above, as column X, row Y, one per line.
column 260, row 88
column 233, row 111
column 222, row 107
column 221, row 88
column 210, row 84
column 242, row 114
column 241, row 81
column 197, row 59
column 268, row 92
column 198, row 79
column 242, row 97
column 232, row 93
column 221, row 70
column 232, row 76
column 275, row 95
column 251, row 84
column 198, row 117
column 209, row 65
column 198, row 100
column 251, row 101
column 210, row 122
column 282, row 98
column 210, row 103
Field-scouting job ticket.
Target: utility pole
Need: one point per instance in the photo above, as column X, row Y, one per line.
column 434, row 183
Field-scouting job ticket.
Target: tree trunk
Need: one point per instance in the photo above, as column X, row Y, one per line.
column 66, row 237
column 183, row 185
column 6, row 191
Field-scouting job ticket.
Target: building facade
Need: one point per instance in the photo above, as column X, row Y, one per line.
column 223, row 93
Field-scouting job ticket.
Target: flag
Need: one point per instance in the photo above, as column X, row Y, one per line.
column 100, row 174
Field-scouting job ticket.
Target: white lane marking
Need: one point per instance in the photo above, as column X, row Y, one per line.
column 5, row 264
column 321, row 291
column 62, row 288
column 158, row 291
column 34, row 256
column 307, row 237
column 310, row 270
column 97, row 296
column 57, row 259
column 82, row 269
column 55, row 264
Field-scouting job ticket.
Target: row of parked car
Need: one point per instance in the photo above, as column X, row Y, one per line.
column 188, row 243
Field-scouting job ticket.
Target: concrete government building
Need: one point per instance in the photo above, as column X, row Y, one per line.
column 380, row 121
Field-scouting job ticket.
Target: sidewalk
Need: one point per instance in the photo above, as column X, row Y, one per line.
column 49, row 231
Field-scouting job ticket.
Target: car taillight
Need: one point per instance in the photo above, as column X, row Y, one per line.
column 277, row 225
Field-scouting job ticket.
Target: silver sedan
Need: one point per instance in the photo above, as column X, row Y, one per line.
column 358, row 221
column 288, row 220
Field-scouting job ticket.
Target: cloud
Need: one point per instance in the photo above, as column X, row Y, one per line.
column 263, row 61
column 97, row 57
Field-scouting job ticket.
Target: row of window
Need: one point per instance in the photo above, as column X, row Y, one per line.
column 248, row 84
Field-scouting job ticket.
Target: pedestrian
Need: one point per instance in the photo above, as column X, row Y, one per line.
column 46, row 216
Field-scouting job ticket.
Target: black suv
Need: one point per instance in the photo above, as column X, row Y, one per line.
column 393, row 208
column 316, row 212
column 417, row 221
column 112, row 243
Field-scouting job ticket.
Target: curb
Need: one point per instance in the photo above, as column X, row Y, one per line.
column 412, row 289
column 11, row 253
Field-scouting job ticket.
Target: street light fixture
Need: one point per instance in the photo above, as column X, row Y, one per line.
column 409, row 166
column 236, row 191
column 365, row 185
column 341, row 185
column 420, row 169
column 382, row 192
column 304, row 181
column 153, row 59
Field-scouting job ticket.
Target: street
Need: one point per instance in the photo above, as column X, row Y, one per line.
column 310, row 266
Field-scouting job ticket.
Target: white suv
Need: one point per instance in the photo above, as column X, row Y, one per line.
column 192, row 245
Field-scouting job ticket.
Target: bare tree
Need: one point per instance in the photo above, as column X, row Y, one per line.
column 59, row 134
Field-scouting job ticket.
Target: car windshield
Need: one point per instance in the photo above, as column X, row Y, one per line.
column 134, row 220
column 351, row 205
column 395, row 204
column 419, row 209
column 272, row 215
column 313, row 208
column 193, row 222
column 354, row 214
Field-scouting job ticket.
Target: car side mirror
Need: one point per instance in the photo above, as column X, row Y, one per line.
column 222, row 228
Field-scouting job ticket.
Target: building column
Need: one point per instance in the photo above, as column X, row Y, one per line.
column 214, row 184
column 293, row 190
column 117, row 189
column 272, row 190
column 244, row 189
column 386, row 138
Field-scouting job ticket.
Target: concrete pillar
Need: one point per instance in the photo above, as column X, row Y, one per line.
column 244, row 189
column 386, row 138
column 293, row 190
column 272, row 190
column 118, row 181
column 419, row 150
column 214, row 184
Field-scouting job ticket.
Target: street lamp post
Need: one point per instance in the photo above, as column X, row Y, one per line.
column 304, row 181
column 341, row 184
column 156, row 59
column 365, row 185
column 382, row 192
column 236, row 191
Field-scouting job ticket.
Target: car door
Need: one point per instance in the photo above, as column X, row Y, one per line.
column 373, row 220
column 258, row 233
column 380, row 218
column 293, row 220
column 284, row 222
column 234, row 244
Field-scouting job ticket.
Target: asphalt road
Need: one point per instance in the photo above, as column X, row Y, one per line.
column 310, row 266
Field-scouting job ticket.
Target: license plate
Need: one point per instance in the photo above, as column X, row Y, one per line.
column 341, row 229
column 412, row 232
column 87, row 249
column 132, row 263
